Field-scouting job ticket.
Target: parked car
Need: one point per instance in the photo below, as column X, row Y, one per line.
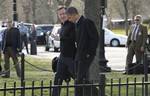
column 113, row 39
column 28, row 25
column 2, row 29
column 41, row 30
column 53, row 40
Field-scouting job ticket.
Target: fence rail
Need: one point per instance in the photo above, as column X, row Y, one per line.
column 111, row 89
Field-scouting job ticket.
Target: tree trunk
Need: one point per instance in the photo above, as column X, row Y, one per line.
column 125, row 4
column 64, row 2
column 33, row 10
column 92, row 11
column 68, row 2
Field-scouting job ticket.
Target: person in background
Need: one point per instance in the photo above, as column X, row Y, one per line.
column 86, row 42
column 11, row 47
column 65, row 64
column 1, row 34
column 33, row 47
column 136, row 42
column 24, row 35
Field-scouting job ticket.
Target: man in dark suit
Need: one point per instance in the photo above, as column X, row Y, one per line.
column 86, row 42
column 65, row 65
column 136, row 42
column 11, row 47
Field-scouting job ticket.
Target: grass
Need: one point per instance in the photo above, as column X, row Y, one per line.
column 33, row 74
column 119, row 31
column 122, row 31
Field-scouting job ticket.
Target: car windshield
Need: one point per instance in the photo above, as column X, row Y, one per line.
column 48, row 28
column 39, row 32
column 45, row 28
column 108, row 32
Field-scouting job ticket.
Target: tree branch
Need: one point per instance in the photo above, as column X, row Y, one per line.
column 68, row 2
column 1, row 2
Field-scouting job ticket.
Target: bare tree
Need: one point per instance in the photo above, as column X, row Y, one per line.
column 26, row 9
column 92, row 11
column 34, row 10
column 5, row 9
column 1, row 2
column 125, row 4
column 64, row 2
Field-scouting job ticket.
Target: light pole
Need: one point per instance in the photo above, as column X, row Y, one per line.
column 15, row 15
column 102, row 61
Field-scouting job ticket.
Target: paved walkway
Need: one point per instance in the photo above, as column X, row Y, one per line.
column 115, row 55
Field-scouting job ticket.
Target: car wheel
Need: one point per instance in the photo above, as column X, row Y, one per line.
column 56, row 49
column 114, row 43
column 46, row 48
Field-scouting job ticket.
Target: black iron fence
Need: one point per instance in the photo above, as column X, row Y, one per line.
column 128, row 88
column 114, row 88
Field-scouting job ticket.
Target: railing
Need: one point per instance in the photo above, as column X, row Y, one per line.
column 114, row 88
column 111, row 89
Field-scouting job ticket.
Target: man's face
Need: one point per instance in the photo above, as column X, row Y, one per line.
column 62, row 15
column 137, row 20
column 71, row 18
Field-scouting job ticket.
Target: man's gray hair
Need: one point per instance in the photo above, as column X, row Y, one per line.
column 138, row 16
column 72, row 10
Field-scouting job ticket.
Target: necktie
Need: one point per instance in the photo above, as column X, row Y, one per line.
column 134, row 33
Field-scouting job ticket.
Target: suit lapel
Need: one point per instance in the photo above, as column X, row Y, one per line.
column 139, row 31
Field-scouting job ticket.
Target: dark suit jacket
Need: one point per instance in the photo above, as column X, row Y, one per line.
column 15, row 40
column 67, row 39
column 140, row 37
column 86, row 39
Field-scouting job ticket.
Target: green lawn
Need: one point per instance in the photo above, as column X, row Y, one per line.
column 33, row 74
column 122, row 31
column 119, row 31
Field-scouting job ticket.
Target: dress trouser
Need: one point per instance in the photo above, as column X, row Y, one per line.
column 33, row 47
column 7, row 54
column 65, row 70
column 82, row 76
column 24, row 40
column 133, row 50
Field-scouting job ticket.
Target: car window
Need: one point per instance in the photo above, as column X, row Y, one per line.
column 48, row 28
column 45, row 28
column 108, row 32
column 39, row 32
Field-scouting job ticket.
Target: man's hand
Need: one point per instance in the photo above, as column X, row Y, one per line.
column 87, row 55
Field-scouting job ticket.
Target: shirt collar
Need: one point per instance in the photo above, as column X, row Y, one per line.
column 78, row 20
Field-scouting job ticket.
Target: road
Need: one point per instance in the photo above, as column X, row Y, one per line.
column 115, row 55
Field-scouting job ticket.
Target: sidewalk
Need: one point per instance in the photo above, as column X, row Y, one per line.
column 116, row 56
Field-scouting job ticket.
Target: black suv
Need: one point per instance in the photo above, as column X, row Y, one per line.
column 41, row 30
